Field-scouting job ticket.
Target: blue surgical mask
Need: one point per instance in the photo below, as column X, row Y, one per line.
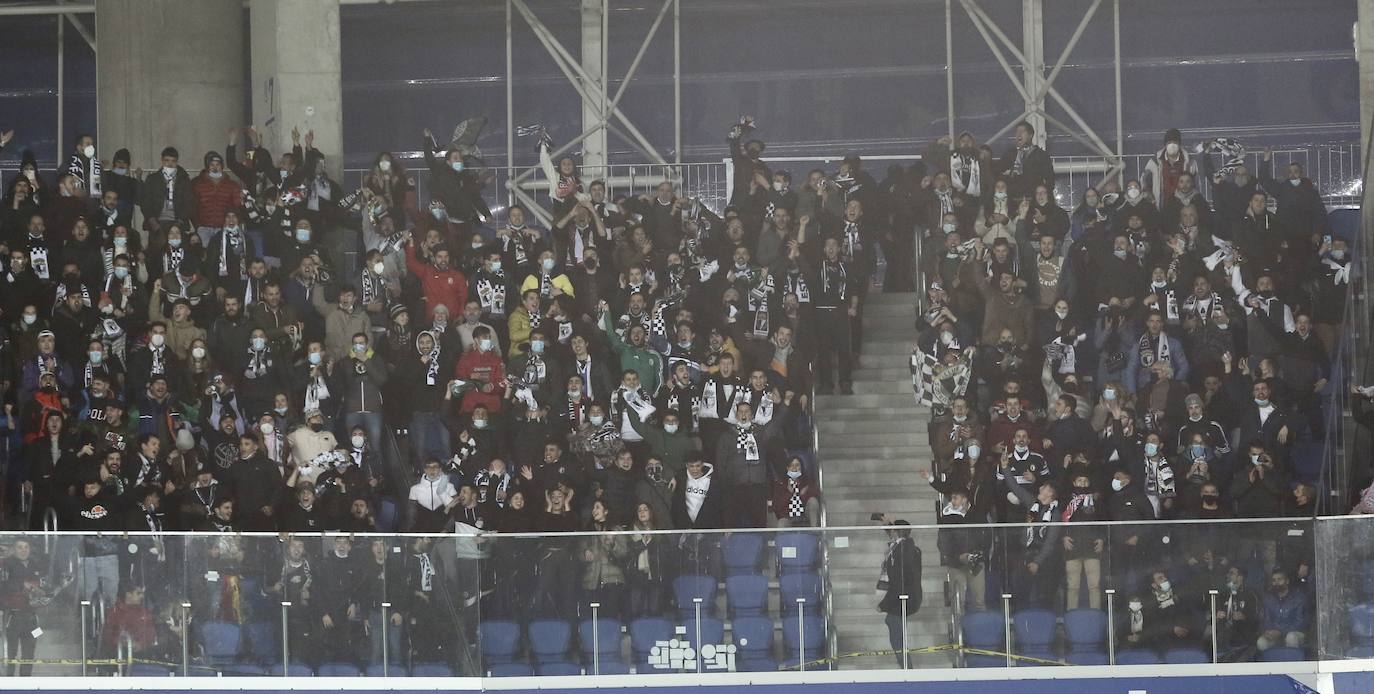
column 359, row 349
column 1151, row 448
column 495, row 266
column 303, row 236
column 484, row 344
column 1118, row 485
column 1261, row 403
column 95, row 357
column 121, row 170
column 174, row 243
column 537, row 346
column 437, row 212
column 314, row 358
column 670, row 428
column 547, row 263
column 259, row 343
column 457, row 166
column 284, row 173
column 794, row 474
column 1199, row 451
column 121, row 272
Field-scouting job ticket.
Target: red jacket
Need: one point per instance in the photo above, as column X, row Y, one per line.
column 488, row 368
column 213, row 198
column 448, row 287
column 782, row 494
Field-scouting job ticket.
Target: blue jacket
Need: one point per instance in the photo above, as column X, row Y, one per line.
column 1138, row 375
column 1288, row 613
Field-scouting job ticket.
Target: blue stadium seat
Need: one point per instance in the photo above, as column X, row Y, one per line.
column 264, row 640
column 1087, row 658
column 712, row 631
column 1186, row 656
column 220, row 641
column 984, row 629
column 339, row 670
column 797, row 552
column 979, row 660
column 245, row 670
column 500, row 640
column 1345, row 223
column 445, row 670
column 741, row 551
column 1034, row 630
column 610, row 667
column 149, row 670
column 756, row 665
column 1086, row 628
column 685, row 588
column 792, row 635
column 1137, row 657
column 1282, row 654
column 747, row 595
column 501, row 670
column 387, row 516
column 1362, row 624
column 557, row 669
column 752, row 636
column 549, row 640
column 1306, row 459
column 607, row 638
column 392, row 670
column 800, row 585
column 295, row 670
column 1366, row 580
column 644, row 633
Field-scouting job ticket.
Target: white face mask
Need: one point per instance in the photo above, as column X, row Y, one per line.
column 30, row 318
column 358, row 441
column 1118, row 485
column 88, row 151
column 1171, row 149
column 169, row 170
column 949, row 227
column 596, row 420
column 384, row 165
column 1000, row 195
column 479, row 423
column 266, row 428
column 281, row 411
column 216, row 174
column 779, row 186
column 1166, row 586
column 1021, row 448
column 670, row 428
column 1135, row 605
column 1132, row 193
column 484, row 344
column 1062, row 313
column 378, row 268
column 1109, row 394
column 259, row 343
column 547, row 263
column 158, row 339
column 198, row 352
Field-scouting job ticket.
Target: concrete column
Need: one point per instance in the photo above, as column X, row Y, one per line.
column 169, row 72
column 295, row 75
column 593, row 62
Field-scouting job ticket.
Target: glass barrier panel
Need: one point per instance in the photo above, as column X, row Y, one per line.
column 1345, row 573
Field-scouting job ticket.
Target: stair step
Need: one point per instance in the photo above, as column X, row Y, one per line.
column 859, row 425
column 882, row 372
column 883, row 438
column 888, row 298
column 825, row 403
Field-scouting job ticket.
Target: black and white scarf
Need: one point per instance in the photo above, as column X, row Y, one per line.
column 853, row 245
column 432, row 368
column 1153, row 350
column 796, row 284
column 837, row 274
column 316, row 391
column 173, row 259
column 170, row 182
column 372, row 286
column 1340, row 271
column 60, row 294
column 491, row 292
column 231, row 238
column 159, row 366
column 259, row 361
column 1202, row 309
column 747, row 442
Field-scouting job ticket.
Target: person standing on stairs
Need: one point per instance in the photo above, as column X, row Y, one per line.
column 837, row 306
column 900, row 575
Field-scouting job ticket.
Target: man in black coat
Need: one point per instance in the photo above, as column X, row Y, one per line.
column 901, row 575
column 1027, row 165
column 257, row 485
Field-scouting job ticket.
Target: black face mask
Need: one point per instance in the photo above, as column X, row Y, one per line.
column 317, row 426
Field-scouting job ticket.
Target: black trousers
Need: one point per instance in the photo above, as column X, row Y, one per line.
column 834, row 349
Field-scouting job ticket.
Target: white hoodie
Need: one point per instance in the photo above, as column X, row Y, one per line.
column 433, row 495
column 696, row 491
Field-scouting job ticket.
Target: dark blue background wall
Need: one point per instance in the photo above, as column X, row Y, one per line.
column 820, row 75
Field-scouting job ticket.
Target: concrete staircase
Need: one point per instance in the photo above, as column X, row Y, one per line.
column 871, row 446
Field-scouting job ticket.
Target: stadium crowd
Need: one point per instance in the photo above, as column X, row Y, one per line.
column 257, row 348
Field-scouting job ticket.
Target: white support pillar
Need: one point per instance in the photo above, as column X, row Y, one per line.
column 1033, row 65
column 296, row 75
column 594, row 42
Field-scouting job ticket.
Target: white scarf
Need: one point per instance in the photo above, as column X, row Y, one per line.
column 1342, row 271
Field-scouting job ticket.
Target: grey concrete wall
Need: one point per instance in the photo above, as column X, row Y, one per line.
column 168, row 72
column 296, row 74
